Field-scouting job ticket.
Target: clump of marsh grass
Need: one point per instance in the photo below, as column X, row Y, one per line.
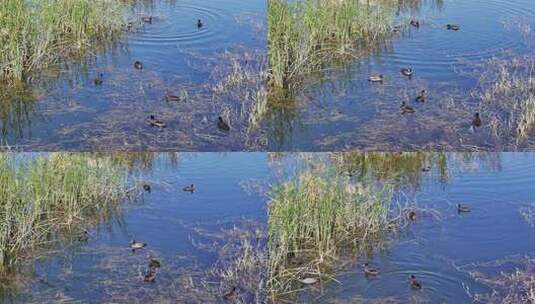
column 517, row 286
column 506, row 96
column 37, row 33
column 42, row 197
column 317, row 218
column 304, row 35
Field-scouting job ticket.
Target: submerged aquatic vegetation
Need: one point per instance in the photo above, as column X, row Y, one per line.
column 37, row 33
column 43, row 197
column 304, row 35
column 506, row 96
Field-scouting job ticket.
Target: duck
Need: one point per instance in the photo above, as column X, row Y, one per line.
column 138, row 65
column 415, row 284
column 154, row 263
column 407, row 72
column 99, row 80
column 190, row 188
column 461, row 208
column 476, row 121
column 199, row 23
column 453, row 27
column 222, row 125
column 171, row 97
column 412, row 215
column 84, row 236
column 147, row 188
column 368, row 270
column 231, row 295
column 137, row 245
column 150, row 276
column 405, row 108
column 426, row 169
column 421, row 96
column 415, row 23
column 155, row 122
column 376, row 78
column 146, row 19
column 397, row 28
column 309, row 281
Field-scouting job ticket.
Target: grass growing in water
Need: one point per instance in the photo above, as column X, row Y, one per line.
column 43, row 196
column 304, row 35
column 37, row 33
column 317, row 218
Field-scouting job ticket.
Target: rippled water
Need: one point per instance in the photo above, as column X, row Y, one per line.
column 179, row 228
column 343, row 110
column 64, row 109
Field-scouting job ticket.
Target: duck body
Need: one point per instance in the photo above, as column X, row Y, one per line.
column 84, row 236
column 138, row 65
column 155, row 122
column 453, row 27
column 462, row 209
column 407, row 72
column 371, row 271
column 415, row 23
column 154, row 263
column 421, row 96
column 137, row 245
column 147, row 188
column 476, row 121
column 146, row 19
column 190, row 188
column 222, row 125
column 99, row 80
column 412, row 216
column 171, row 97
column 405, row 108
column 376, row 78
column 199, row 23
column 415, row 284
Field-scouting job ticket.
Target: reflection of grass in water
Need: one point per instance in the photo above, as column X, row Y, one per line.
column 17, row 108
column 42, row 197
column 304, row 35
column 516, row 286
column 506, row 95
column 319, row 216
column 38, row 33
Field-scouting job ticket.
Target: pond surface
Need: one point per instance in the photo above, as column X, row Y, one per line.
column 65, row 110
column 340, row 109
column 182, row 229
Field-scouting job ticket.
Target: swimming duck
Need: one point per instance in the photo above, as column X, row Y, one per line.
column 309, row 281
column 412, row 215
column 453, row 27
column 421, row 96
column 415, row 23
column 461, row 208
column 199, row 23
column 147, row 187
column 146, row 19
column 368, row 270
column 84, row 236
column 407, row 72
column 231, row 295
column 397, row 28
column 415, row 284
column 99, row 80
column 155, row 122
column 171, row 97
column 190, row 188
column 137, row 245
column 138, row 65
column 426, row 169
column 376, row 78
column 222, row 125
column 405, row 108
column 154, row 263
column 150, row 276
column 476, row 122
